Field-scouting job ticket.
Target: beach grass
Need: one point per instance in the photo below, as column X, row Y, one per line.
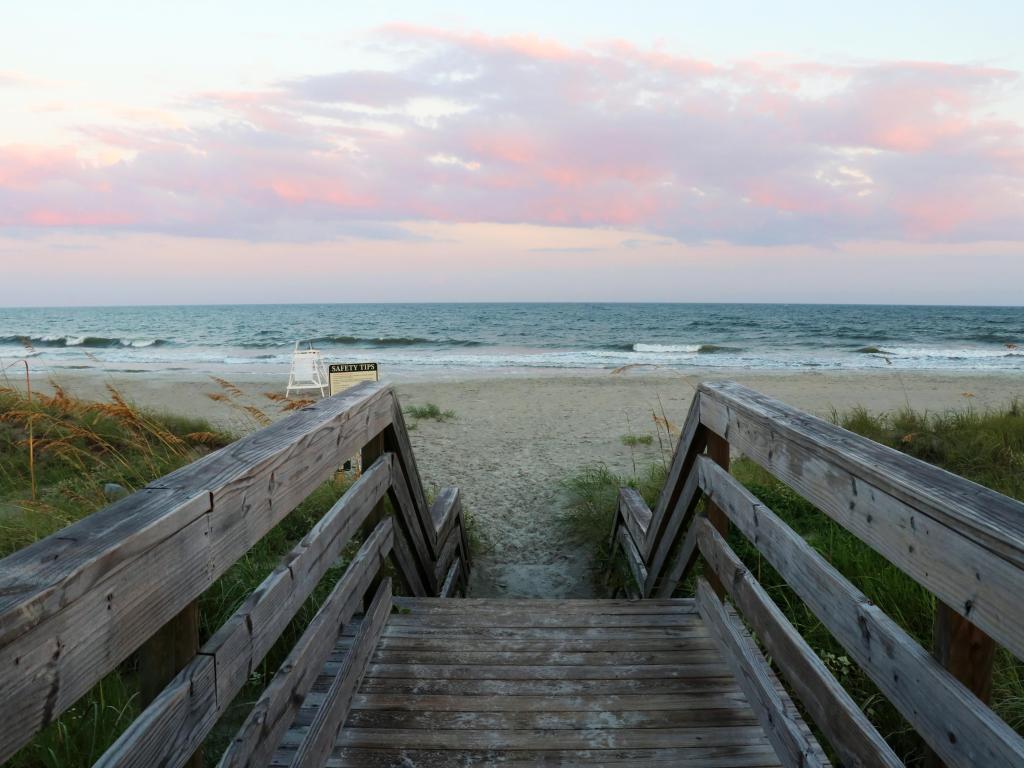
column 635, row 440
column 984, row 446
column 430, row 412
column 77, row 450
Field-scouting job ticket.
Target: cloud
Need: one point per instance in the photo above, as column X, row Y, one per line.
column 466, row 128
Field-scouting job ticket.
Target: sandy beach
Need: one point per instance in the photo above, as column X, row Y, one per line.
column 514, row 439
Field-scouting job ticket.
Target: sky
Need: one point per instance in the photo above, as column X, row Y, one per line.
column 188, row 152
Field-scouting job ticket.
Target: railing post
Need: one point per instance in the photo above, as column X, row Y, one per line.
column 372, row 451
column 165, row 654
column 718, row 452
column 966, row 652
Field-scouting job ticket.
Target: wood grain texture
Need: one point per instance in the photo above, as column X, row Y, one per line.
column 636, row 515
column 72, row 606
column 633, row 558
column 396, row 439
column 960, row 541
column 779, row 721
column 691, row 443
column 274, row 711
column 959, row 727
column 993, row 520
column 966, row 651
column 849, row 731
column 723, row 756
column 541, row 682
column 451, row 580
column 243, row 641
column 682, row 514
column 315, row 747
column 681, row 564
column 412, row 532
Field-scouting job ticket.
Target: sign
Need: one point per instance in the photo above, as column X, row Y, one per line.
column 344, row 375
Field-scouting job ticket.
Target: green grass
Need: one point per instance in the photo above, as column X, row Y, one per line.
column 634, row 440
column 430, row 411
column 987, row 447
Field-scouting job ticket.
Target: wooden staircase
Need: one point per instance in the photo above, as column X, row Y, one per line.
column 426, row 680
column 539, row 682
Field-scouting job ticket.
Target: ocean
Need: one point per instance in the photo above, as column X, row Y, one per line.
column 437, row 340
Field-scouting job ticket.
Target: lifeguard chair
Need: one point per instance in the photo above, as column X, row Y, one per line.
column 308, row 371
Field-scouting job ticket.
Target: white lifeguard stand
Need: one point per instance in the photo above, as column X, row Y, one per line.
column 308, row 371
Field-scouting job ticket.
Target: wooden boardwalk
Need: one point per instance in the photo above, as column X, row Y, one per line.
column 541, row 682
column 431, row 680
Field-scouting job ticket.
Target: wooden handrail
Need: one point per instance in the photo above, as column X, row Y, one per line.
column 74, row 605
column 962, row 542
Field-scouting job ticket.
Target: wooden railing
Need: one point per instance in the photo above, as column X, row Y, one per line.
column 75, row 605
column 960, row 541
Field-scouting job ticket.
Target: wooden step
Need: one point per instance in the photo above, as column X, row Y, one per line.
column 540, row 682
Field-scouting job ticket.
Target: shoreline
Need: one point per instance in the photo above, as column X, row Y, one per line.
column 514, row 439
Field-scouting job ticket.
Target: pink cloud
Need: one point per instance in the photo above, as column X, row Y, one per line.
column 475, row 128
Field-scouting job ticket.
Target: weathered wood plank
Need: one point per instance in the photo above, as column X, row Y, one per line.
column 691, row 654
column 993, row 520
column 706, row 757
column 718, row 452
column 174, row 724
column 243, row 641
column 206, row 516
column 682, row 514
column 406, row 563
column 683, row 607
column 274, row 711
column 514, row 688
column 960, row 728
column 959, row 540
column 681, row 564
column 449, row 550
column 754, row 677
column 739, row 714
column 538, row 739
column 451, row 580
column 446, row 511
column 396, row 439
column 613, row 644
column 552, row 632
column 722, row 756
column 595, row 702
column 513, row 618
column 966, row 651
column 852, row 735
column 411, row 524
column 635, row 514
column 633, row 558
column 47, row 669
column 48, row 575
column 319, row 740
column 455, row 671
column 164, row 655
column 691, row 443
